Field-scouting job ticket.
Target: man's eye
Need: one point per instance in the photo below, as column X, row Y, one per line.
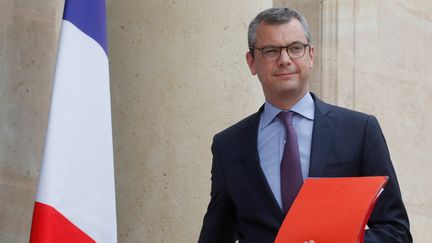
column 296, row 48
column 271, row 51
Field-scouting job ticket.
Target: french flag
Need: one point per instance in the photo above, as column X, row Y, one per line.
column 75, row 201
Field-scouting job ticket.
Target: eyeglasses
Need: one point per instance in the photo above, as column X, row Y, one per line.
column 294, row 50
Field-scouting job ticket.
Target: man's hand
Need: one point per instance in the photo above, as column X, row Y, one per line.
column 311, row 241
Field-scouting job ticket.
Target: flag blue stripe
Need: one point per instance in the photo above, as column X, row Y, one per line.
column 90, row 17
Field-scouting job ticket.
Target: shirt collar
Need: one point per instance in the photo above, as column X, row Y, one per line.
column 305, row 107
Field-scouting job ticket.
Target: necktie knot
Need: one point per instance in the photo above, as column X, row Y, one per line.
column 286, row 117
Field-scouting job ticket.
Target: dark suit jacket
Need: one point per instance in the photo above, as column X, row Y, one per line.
column 344, row 143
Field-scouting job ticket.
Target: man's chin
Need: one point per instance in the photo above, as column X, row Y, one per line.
column 290, row 86
column 293, row 91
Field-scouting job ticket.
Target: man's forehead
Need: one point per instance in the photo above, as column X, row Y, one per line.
column 292, row 23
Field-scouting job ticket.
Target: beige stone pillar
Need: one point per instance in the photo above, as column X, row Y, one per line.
column 178, row 75
column 391, row 77
column 375, row 58
column 28, row 43
column 382, row 67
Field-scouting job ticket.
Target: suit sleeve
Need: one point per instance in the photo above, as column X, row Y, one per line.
column 219, row 224
column 389, row 220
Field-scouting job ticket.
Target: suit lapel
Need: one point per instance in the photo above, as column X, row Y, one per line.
column 322, row 138
column 253, row 167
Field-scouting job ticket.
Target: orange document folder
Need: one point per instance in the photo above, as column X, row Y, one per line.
column 331, row 210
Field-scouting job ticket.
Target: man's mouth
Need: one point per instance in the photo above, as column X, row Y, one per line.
column 285, row 74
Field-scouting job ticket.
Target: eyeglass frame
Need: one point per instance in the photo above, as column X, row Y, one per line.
column 280, row 50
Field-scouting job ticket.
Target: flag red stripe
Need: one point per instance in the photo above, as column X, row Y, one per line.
column 50, row 226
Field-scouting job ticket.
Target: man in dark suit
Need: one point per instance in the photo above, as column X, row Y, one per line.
column 248, row 201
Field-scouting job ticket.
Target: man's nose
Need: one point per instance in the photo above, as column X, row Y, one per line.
column 284, row 58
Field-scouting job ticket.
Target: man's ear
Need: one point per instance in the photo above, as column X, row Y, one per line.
column 311, row 56
column 251, row 62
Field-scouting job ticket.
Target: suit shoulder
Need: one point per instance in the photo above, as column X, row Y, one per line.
column 339, row 112
column 347, row 118
column 235, row 130
column 349, row 114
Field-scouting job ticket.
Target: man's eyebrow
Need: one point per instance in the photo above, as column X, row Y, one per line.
column 294, row 42
column 298, row 42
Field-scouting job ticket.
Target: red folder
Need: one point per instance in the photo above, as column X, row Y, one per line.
column 331, row 210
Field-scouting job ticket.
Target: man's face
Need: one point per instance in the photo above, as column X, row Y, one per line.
column 285, row 77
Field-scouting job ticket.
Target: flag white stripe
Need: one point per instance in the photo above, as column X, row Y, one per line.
column 77, row 174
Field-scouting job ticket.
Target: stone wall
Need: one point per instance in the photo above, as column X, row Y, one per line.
column 178, row 75
column 28, row 45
